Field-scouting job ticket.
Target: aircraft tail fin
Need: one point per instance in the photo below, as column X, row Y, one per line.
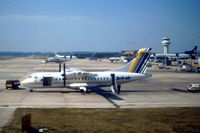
column 138, row 64
column 193, row 51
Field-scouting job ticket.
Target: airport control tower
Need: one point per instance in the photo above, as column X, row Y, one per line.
column 166, row 42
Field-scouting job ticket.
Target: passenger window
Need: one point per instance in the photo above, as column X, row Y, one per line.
column 127, row 78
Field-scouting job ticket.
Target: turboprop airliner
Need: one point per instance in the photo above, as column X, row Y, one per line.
column 53, row 59
column 58, row 58
column 83, row 80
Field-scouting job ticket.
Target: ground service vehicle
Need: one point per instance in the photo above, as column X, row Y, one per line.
column 14, row 84
column 193, row 87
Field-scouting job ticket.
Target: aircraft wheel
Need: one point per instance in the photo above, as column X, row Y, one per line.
column 31, row 89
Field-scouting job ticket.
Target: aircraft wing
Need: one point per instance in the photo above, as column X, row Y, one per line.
column 81, row 86
column 78, row 85
column 75, row 73
column 76, row 69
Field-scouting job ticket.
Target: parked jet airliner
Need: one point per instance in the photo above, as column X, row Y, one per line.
column 187, row 55
column 79, row 79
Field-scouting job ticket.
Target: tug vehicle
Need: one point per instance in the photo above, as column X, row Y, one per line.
column 14, row 84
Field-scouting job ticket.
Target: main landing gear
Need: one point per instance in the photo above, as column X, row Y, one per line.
column 118, row 89
column 30, row 89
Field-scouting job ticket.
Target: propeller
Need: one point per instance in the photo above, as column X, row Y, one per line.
column 113, row 84
column 64, row 75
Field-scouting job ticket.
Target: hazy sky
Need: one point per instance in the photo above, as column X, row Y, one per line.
column 98, row 25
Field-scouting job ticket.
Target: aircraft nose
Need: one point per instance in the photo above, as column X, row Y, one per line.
column 24, row 82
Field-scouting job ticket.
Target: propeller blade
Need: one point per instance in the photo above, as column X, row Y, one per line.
column 113, row 84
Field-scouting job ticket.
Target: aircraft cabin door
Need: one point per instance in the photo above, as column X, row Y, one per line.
column 47, row 81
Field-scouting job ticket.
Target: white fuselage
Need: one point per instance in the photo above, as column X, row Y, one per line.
column 74, row 80
column 174, row 56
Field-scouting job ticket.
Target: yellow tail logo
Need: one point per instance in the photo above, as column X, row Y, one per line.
column 139, row 63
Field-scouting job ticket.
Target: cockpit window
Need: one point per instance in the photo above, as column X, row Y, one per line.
column 30, row 77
